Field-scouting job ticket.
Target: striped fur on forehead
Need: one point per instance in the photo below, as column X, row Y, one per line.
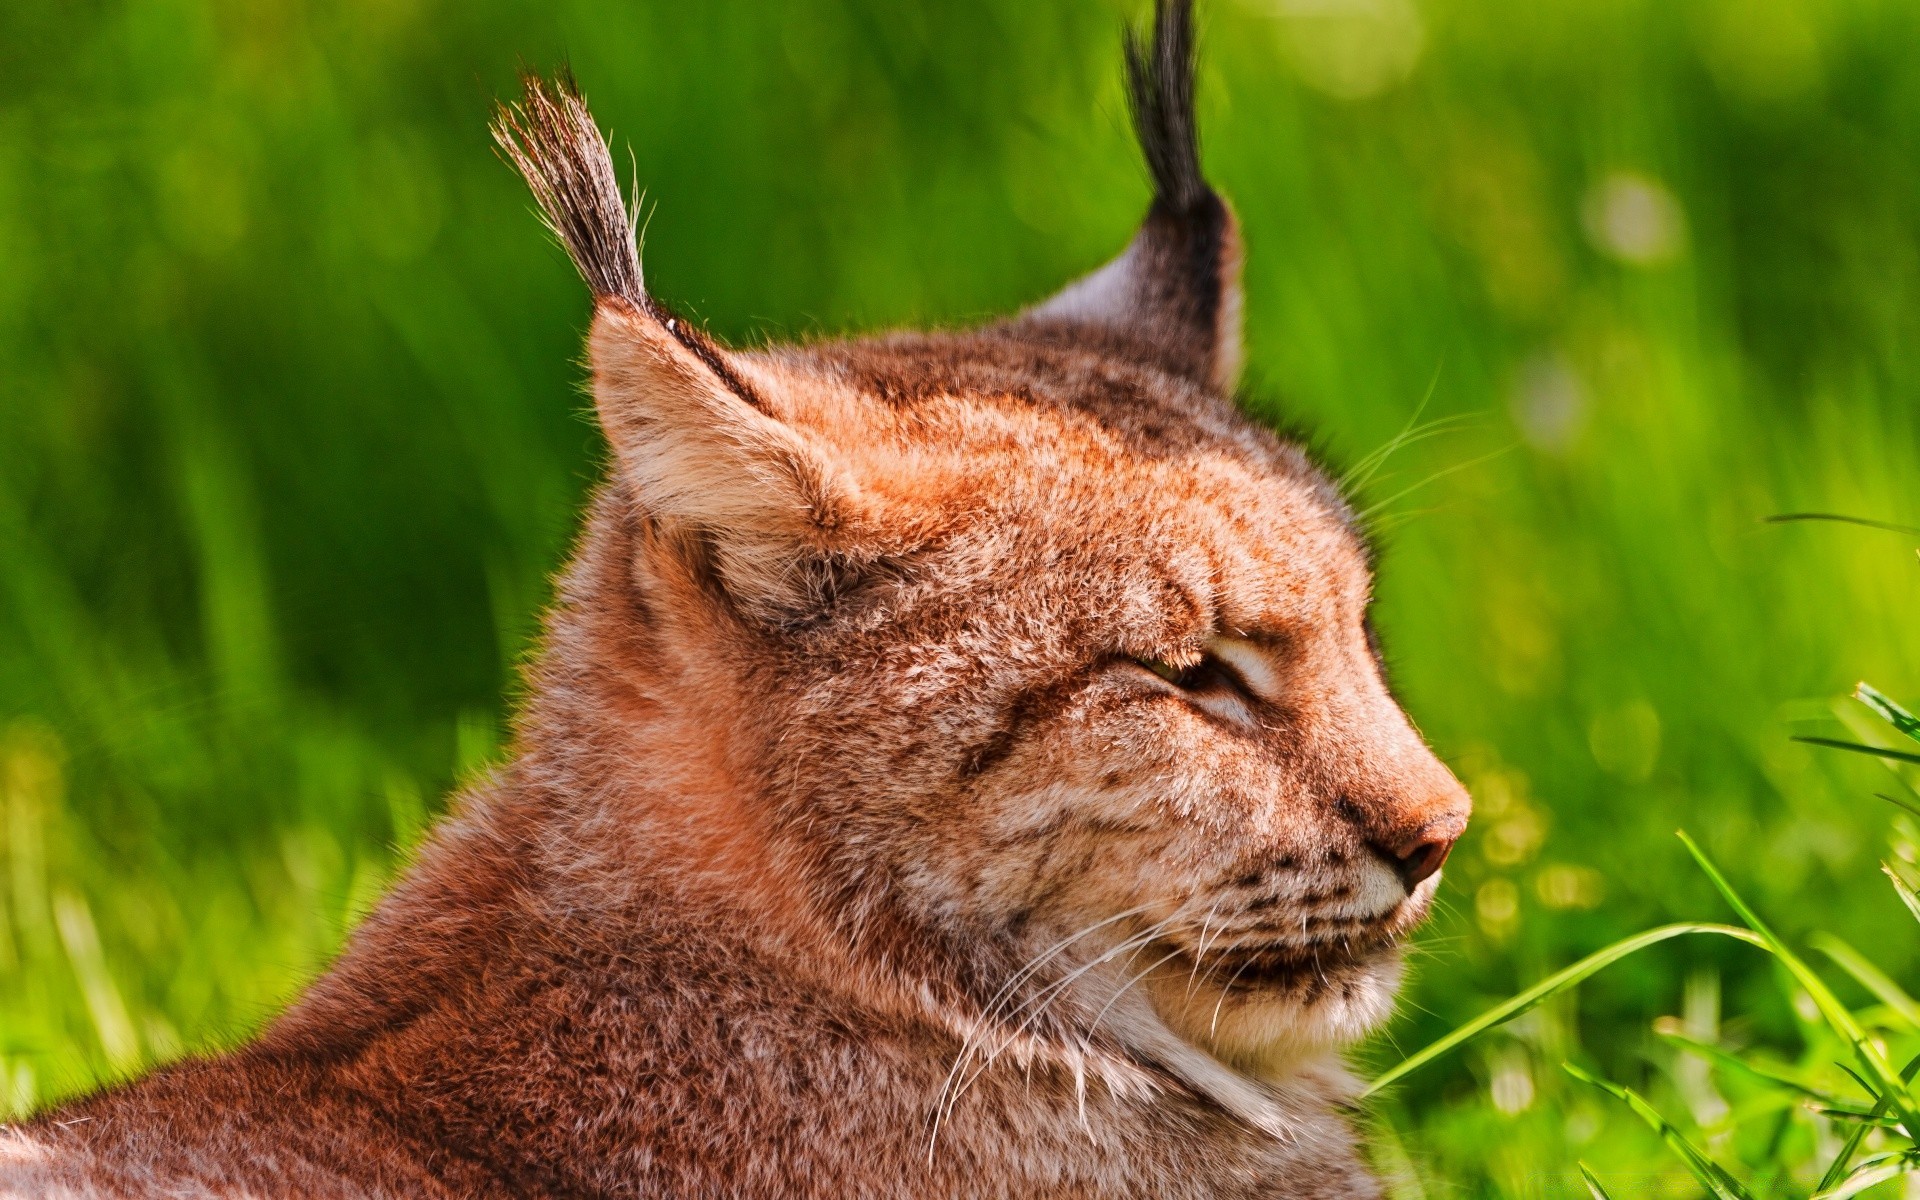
column 989, row 399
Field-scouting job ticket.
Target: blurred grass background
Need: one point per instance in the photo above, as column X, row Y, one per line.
column 291, row 440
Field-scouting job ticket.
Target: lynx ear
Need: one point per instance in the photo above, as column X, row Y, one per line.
column 697, row 451
column 1174, row 293
column 699, row 446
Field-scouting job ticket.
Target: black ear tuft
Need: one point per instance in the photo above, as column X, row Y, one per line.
column 1160, row 98
column 1172, row 298
column 551, row 139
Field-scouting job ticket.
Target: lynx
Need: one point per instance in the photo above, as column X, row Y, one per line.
column 957, row 765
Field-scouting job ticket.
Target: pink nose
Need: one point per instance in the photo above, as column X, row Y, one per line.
column 1420, row 856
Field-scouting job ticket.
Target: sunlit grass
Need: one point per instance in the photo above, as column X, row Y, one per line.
column 291, row 438
column 1880, row 1119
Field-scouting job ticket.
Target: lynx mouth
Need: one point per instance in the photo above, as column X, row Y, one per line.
column 1279, row 965
column 1266, row 1007
column 1275, row 958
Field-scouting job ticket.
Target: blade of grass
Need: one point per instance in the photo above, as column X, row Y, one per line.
column 1890, row 712
column 1860, row 1079
column 1866, row 1119
column 1860, row 1116
column 1858, row 748
column 1875, row 1170
column 1870, row 977
column 1903, row 889
column 1837, row 1169
column 1593, row 1184
column 1840, row 518
column 1769, row 1072
column 1710, row 1174
column 1907, row 805
column 1837, row 1016
column 1558, row 982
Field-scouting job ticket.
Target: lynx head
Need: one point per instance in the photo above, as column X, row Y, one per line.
column 1036, row 661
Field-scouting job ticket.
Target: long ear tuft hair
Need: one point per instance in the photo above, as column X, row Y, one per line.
column 1173, row 296
column 551, row 139
column 762, row 502
column 1160, row 94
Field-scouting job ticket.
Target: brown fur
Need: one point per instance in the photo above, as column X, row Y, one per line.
column 855, row 842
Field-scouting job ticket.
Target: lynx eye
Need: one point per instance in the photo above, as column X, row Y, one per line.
column 1163, row 669
column 1230, row 678
column 1205, row 674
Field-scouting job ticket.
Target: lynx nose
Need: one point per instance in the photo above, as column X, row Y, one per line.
column 1419, row 855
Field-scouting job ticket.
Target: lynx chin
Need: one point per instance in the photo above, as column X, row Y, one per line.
column 956, row 765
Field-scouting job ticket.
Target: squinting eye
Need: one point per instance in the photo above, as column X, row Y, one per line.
column 1164, row 670
column 1205, row 674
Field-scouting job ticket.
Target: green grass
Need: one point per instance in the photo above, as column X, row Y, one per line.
column 1856, row 1128
column 291, row 438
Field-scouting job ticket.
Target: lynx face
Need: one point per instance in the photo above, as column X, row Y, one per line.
column 1048, row 674
column 1125, row 686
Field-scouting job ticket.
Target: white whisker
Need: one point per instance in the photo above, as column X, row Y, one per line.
column 1042, row 1001
column 1213, row 1026
column 969, row 1047
column 1199, row 955
column 1128, row 986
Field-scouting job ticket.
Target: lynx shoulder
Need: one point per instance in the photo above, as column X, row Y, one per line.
column 956, row 766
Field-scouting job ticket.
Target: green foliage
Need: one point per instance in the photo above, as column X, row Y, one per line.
column 1888, row 1115
column 290, row 442
column 1710, row 1175
column 1547, row 989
